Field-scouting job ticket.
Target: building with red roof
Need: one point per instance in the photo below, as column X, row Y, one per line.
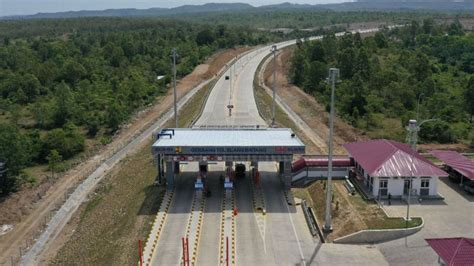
column 456, row 162
column 455, row 251
column 385, row 167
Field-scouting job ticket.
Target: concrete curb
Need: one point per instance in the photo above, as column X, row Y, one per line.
column 378, row 235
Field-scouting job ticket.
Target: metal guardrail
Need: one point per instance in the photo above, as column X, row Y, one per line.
column 311, row 221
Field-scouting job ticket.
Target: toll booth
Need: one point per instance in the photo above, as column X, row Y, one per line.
column 227, row 145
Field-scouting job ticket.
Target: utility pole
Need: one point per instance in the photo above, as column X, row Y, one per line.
column 274, row 50
column 333, row 76
column 175, row 54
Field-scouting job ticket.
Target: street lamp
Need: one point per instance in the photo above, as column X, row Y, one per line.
column 413, row 130
column 333, row 76
column 175, row 55
column 274, row 50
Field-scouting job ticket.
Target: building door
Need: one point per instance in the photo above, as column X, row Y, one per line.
column 425, row 187
column 406, row 186
column 383, row 188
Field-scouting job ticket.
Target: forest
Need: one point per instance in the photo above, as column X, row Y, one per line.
column 68, row 84
column 386, row 78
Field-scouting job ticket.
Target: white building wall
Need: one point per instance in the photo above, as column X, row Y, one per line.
column 395, row 186
column 375, row 191
column 434, row 186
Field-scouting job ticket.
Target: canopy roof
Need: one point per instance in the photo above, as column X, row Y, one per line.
column 227, row 141
column 456, row 161
column 454, row 251
column 387, row 158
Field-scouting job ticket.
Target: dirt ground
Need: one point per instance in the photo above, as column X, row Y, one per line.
column 29, row 209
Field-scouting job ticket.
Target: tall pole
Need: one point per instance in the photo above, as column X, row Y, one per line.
column 174, row 87
column 274, row 50
column 412, row 137
column 333, row 75
column 413, row 128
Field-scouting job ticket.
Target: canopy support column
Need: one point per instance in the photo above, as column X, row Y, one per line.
column 170, row 167
column 287, row 174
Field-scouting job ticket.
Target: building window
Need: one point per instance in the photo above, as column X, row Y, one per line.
column 425, row 187
column 383, row 188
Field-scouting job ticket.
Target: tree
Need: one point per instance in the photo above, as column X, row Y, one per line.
column 421, row 66
column 73, row 71
column 316, row 52
column 54, row 159
column 469, row 98
column 456, row 28
column 358, row 40
column 362, row 65
column 43, row 113
column 345, row 63
column 315, row 72
column 205, row 37
column 428, row 25
column 330, row 46
column 380, row 40
column 115, row 116
column 297, row 67
column 15, row 150
column 64, row 108
column 68, row 141
column 437, row 131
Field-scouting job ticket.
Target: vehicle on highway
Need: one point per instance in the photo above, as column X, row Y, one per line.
column 240, row 170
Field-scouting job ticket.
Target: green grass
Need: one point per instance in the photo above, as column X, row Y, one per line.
column 394, row 223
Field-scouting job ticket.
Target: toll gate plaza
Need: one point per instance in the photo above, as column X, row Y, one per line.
column 180, row 145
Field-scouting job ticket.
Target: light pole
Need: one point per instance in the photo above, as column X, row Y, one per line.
column 333, row 76
column 413, row 129
column 274, row 50
column 175, row 54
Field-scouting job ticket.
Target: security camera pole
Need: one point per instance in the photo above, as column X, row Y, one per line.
column 274, row 50
column 333, row 76
column 175, row 54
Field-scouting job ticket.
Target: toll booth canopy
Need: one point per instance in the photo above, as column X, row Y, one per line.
column 267, row 144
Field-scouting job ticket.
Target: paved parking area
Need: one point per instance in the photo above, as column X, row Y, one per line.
column 451, row 217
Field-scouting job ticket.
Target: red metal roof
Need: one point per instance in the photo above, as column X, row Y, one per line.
column 386, row 158
column 456, row 161
column 454, row 251
column 320, row 162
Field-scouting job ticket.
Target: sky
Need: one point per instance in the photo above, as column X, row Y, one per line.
column 27, row 7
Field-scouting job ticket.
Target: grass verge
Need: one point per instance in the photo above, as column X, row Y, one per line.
column 118, row 214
